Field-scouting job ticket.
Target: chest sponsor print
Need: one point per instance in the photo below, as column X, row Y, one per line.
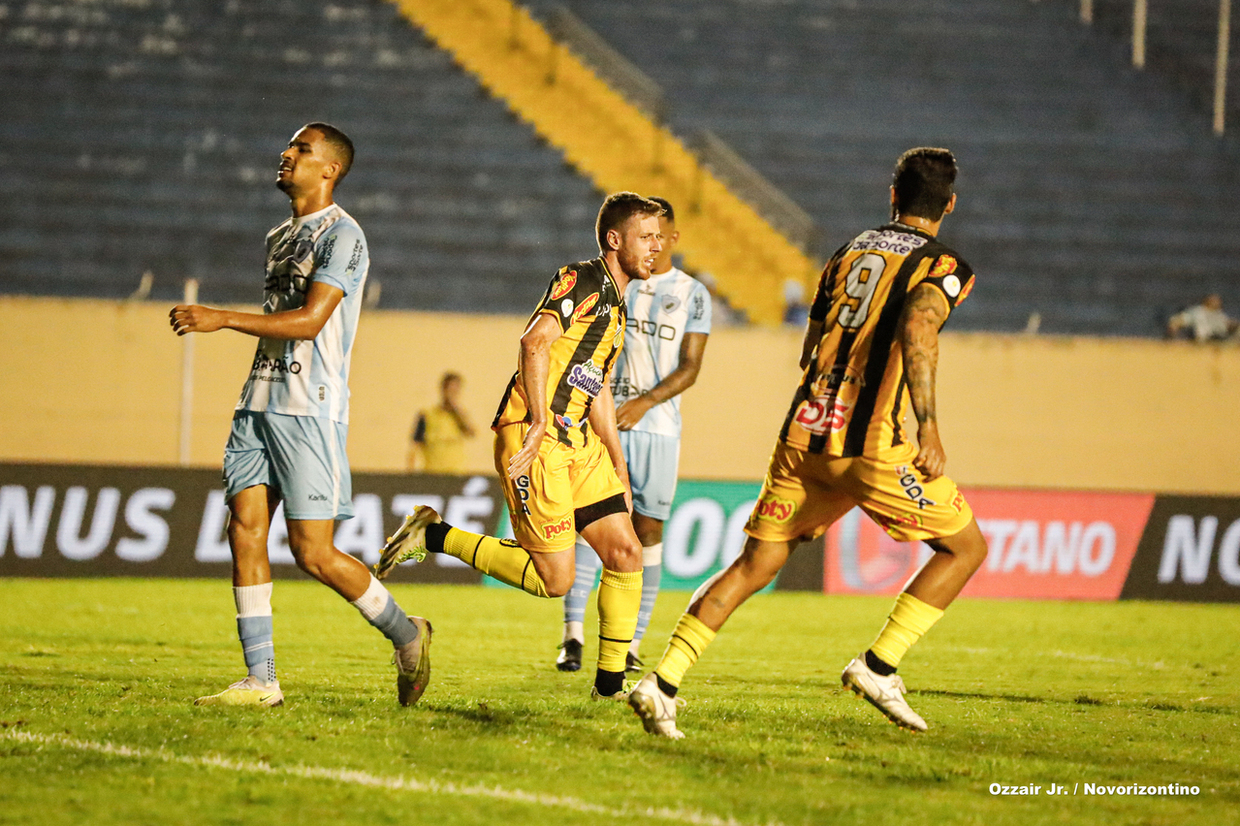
column 586, row 377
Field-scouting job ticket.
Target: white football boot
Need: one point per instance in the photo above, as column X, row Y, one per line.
column 656, row 710
column 884, row 693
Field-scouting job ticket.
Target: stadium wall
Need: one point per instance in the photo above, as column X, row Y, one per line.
column 89, row 381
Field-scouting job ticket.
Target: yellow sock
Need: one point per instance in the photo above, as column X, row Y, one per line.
column 500, row 558
column 909, row 620
column 688, row 642
column 619, row 599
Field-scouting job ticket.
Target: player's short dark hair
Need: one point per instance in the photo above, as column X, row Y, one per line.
column 618, row 209
column 340, row 144
column 923, row 182
column 668, row 212
column 449, row 377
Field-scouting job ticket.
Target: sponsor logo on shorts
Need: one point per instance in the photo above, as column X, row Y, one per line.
column 904, row 520
column 913, row 488
column 553, row 529
column 822, row 414
column 523, row 491
column 586, row 305
column 775, row 509
column 586, row 377
column 567, row 281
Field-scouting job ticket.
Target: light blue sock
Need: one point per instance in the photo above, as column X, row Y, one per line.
column 379, row 608
column 651, row 574
column 588, row 566
column 255, row 630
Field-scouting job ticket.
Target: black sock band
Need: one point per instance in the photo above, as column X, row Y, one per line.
column 666, row 687
column 878, row 666
column 608, row 682
column 436, row 532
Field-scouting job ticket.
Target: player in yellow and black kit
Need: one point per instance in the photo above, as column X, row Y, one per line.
column 870, row 352
column 557, row 449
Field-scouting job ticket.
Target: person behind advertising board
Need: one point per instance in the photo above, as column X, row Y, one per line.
column 1205, row 321
column 288, row 432
column 870, row 345
column 665, row 338
column 437, row 442
column 557, row 449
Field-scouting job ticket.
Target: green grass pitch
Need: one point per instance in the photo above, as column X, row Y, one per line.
column 97, row 725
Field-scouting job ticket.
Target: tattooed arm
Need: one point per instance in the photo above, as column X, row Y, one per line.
column 924, row 313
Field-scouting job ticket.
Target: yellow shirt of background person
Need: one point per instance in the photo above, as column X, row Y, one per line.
column 437, row 443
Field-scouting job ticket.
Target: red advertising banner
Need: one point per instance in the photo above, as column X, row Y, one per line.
column 1043, row 545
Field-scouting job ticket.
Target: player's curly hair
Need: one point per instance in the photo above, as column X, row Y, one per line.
column 618, row 209
column 923, row 182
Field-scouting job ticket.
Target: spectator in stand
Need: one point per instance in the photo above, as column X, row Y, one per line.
column 1205, row 321
column 437, row 443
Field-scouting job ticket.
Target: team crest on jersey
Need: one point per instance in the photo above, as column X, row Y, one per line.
column 586, row 305
column 586, row 377
column 946, row 265
column 565, row 422
column 567, row 281
column 670, row 304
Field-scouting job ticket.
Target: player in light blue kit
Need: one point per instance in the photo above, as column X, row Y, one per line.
column 664, row 340
column 288, row 433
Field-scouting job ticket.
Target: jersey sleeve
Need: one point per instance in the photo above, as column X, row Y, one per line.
column 699, row 309
column 952, row 276
column 340, row 257
column 826, row 284
column 571, row 295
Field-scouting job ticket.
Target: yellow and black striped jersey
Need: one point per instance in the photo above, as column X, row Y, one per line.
column 590, row 310
column 852, row 398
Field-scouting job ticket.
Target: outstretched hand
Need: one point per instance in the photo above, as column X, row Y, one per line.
column 194, row 318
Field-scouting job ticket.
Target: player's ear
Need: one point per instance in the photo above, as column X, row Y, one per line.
column 951, row 205
column 613, row 240
column 332, row 170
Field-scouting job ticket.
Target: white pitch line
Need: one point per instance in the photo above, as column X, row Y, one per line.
column 361, row 778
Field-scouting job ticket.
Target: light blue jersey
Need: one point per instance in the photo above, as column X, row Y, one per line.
column 310, row 378
column 660, row 312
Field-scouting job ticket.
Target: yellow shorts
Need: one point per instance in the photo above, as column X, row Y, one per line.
column 805, row 492
column 546, row 504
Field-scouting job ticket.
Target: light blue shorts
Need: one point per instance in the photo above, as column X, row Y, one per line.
column 653, row 463
column 301, row 456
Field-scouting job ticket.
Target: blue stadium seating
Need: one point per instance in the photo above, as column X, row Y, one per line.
column 144, row 136
column 1092, row 194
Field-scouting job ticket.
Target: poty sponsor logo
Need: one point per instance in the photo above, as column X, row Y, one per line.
column 586, row 305
column 554, row 529
column 822, row 414
column 567, row 281
column 913, row 488
column 586, row 377
column 775, row 509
